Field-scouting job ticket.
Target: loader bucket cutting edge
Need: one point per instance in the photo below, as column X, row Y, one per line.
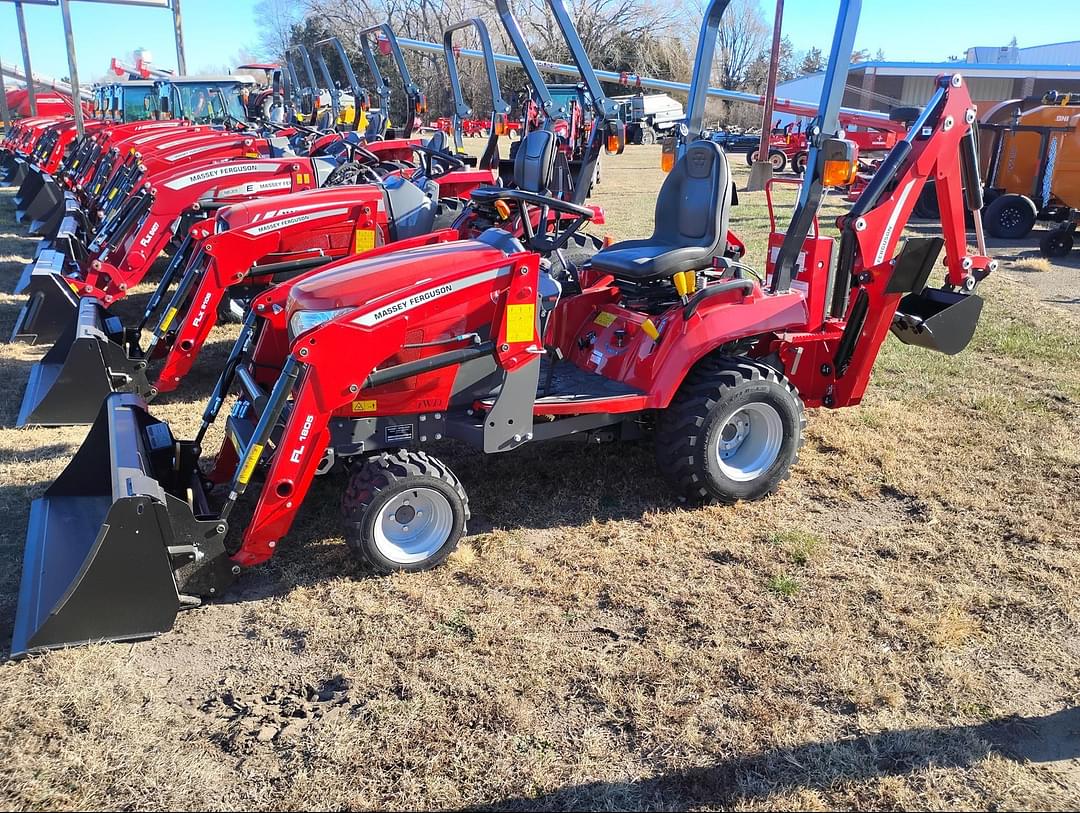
column 96, row 566
column 81, row 370
column 944, row 321
column 51, row 306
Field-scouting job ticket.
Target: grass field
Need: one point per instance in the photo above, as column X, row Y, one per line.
column 897, row 628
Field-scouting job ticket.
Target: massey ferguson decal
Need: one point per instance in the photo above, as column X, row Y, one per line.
column 415, row 300
column 222, row 171
column 255, row 187
column 274, row 225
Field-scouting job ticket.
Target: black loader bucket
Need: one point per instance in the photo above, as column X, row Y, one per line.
column 46, row 207
column 85, row 365
column 18, row 172
column 938, row 320
column 51, row 305
column 29, row 187
column 110, row 550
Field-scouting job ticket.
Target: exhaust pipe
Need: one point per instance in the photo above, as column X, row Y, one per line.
column 116, row 546
column 93, row 359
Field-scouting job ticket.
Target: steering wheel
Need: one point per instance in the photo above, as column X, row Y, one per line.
column 429, row 158
column 538, row 241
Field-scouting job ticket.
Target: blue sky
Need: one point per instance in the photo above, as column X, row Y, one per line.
column 215, row 30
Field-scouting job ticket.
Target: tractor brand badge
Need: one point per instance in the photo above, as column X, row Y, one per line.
column 255, row 187
column 415, row 300
column 274, row 225
column 221, row 171
column 305, row 433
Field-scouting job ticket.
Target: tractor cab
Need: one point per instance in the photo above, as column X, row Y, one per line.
column 213, row 100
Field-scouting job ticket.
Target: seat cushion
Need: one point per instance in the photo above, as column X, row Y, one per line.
column 646, row 260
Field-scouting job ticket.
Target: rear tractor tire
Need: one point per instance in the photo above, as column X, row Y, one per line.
column 732, row 433
column 404, row 511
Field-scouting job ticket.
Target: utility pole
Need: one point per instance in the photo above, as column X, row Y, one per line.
column 761, row 171
column 73, row 68
column 31, row 92
column 5, row 113
column 181, row 60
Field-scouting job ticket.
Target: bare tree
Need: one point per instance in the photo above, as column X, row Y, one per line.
column 743, row 35
column 275, row 20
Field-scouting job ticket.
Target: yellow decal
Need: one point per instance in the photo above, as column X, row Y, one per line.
column 365, row 406
column 168, row 319
column 112, row 194
column 520, row 323
column 251, row 460
column 604, row 319
column 365, row 240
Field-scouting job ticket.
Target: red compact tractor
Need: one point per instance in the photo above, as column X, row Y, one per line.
column 487, row 342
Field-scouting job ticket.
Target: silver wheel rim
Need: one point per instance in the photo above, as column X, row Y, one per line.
column 414, row 526
column 749, row 442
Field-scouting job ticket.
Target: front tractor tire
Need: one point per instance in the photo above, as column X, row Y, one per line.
column 403, row 511
column 732, row 432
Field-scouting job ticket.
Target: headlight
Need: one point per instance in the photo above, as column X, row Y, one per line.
column 303, row 321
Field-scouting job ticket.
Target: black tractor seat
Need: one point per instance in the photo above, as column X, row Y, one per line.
column 691, row 221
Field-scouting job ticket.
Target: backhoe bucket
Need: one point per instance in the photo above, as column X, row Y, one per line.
column 107, row 546
column 944, row 321
column 51, row 305
column 85, row 365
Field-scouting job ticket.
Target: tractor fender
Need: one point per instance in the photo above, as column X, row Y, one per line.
column 718, row 322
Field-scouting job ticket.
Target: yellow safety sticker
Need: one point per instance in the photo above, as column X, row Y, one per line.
column 112, row 194
column 169, row 316
column 604, row 319
column 250, row 462
column 365, row 240
column 520, row 323
column 365, row 406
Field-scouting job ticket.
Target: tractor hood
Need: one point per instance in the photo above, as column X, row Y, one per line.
column 366, row 281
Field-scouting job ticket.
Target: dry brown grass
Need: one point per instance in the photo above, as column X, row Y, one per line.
column 592, row 644
column 1038, row 265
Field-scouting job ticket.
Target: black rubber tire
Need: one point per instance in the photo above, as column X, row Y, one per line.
column 926, row 206
column 1056, row 244
column 378, row 480
column 1010, row 217
column 776, row 157
column 688, row 429
column 798, row 163
column 648, row 136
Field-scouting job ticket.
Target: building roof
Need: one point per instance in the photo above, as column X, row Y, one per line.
column 970, row 69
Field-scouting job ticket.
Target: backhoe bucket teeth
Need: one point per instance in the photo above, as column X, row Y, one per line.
column 109, row 551
column 944, row 321
column 84, row 366
column 51, row 305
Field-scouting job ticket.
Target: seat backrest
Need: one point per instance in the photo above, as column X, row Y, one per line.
column 437, row 142
column 694, row 201
column 534, row 162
